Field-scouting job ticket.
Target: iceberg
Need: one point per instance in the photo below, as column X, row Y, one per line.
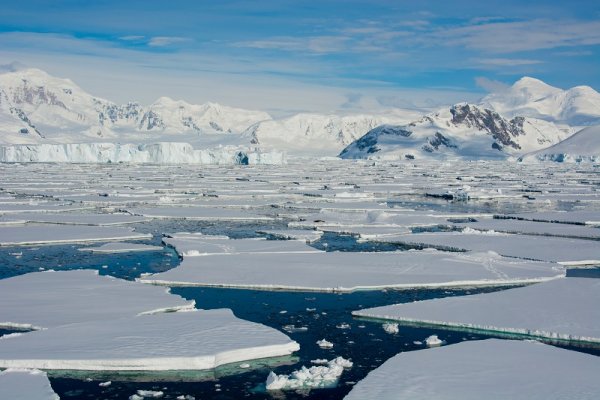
column 503, row 369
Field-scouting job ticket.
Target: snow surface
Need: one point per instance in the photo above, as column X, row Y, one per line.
column 583, row 146
column 551, row 249
column 40, row 234
column 53, row 298
column 192, row 340
column 582, row 217
column 82, row 219
column 199, row 213
column 362, row 271
column 25, row 384
column 560, row 309
column 531, row 97
column 497, row 369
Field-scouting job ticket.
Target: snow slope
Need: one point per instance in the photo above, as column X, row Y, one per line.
column 492, row 369
column 462, row 131
column 581, row 147
column 530, row 97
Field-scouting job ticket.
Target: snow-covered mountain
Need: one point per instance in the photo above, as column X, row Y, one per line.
column 318, row 134
column 530, row 97
column 36, row 107
column 581, row 147
column 462, row 131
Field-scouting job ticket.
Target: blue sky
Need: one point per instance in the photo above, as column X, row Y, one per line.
column 287, row 56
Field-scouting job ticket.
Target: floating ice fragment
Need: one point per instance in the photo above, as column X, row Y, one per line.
column 152, row 394
column 244, row 366
column 324, row 344
column 391, row 328
column 343, row 325
column 433, row 340
column 105, row 384
column 307, row 378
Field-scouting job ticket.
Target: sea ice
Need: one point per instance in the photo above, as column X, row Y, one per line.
column 25, row 384
column 53, row 298
column 321, row 271
column 41, row 234
column 552, row 249
column 192, row 340
column 533, row 228
column 199, row 213
column 563, row 309
column 500, row 369
column 309, row 378
column 112, row 248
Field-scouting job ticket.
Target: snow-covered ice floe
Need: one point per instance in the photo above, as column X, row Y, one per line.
column 309, row 236
column 132, row 330
column 204, row 245
column 499, row 369
column 192, row 340
column 83, row 219
column 552, row 249
column 25, row 384
column 199, row 213
column 563, row 310
column 112, row 248
column 346, row 272
column 580, row 217
column 53, row 298
column 59, row 234
column 153, row 153
column 533, row 228
column 324, row 376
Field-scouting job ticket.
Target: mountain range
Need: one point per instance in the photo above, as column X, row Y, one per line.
column 37, row 108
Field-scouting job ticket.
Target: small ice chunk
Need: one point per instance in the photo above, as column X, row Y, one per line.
column 324, row 344
column 306, row 378
column 391, row 328
column 244, row 366
column 433, row 341
column 152, row 394
column 343, row 325
column 105, row 384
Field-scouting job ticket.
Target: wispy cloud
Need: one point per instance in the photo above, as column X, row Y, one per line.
column 507, row 62
column 162, row 41
column 490, row 85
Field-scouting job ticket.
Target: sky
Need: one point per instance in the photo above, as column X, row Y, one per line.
column 287, row 56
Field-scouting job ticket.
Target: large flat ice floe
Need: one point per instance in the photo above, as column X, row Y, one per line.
column 199, row 213
column 346, row 272
column 498, row 369
column 204, row 245
column 91, row 322
column 83, row 219
column 552, row 249
column 25, row 384
column 565, row 309
column 114, row 248
column 533, row 228
column 192, row 340
column 581, row 217
column 12, row 235
column 154, row 153
column 53, row 298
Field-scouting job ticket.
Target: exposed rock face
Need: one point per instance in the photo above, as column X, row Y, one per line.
column 489, row 121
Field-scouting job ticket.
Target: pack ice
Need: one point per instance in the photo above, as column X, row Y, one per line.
column 502, row 369
column 131, row 331
column 563, row 309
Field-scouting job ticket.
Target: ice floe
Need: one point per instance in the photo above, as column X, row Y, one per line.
column 502, row 369
column 346, row 272
column 533, row 228
column 113, row 248
column 25, row 384
column 40, row 234
column 199, row 213
column 563, row 309
column 552, row 249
